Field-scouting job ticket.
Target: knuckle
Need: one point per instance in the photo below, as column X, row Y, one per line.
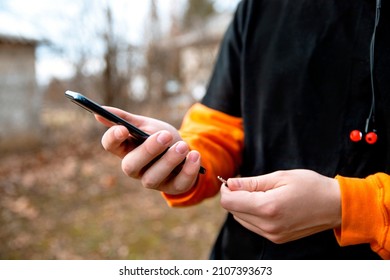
column 129, row 169
column 149, row 150
column 253, row 184
column 270, row 210
column 179, row 187
column 148, row 182
column 225, row 201
column 281, row 174
column 277, row 239
column 272, row 230
column 172, row 161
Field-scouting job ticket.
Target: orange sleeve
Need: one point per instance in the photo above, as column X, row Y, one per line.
column 219, row 139
column 365, row 206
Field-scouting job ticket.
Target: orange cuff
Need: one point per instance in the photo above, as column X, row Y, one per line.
column 219, row 139
column 365, row 212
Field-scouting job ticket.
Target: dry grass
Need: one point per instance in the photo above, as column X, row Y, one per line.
column 70, row 200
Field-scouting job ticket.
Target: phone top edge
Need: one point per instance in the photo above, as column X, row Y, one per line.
column 72, row 94
column 76, row 98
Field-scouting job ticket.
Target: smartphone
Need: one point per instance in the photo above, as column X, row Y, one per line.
column 93, row 107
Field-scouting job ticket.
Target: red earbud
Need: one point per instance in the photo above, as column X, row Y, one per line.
column 355, row 135
column 371, row 137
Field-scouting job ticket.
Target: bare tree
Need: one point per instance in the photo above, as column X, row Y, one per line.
column 110, row 79
column 197, row 12
column 154, row 56
column 94, row 38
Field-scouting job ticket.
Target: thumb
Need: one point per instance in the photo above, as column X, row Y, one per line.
column 252, row 184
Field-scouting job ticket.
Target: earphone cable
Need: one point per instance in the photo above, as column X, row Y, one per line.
column 371, row 116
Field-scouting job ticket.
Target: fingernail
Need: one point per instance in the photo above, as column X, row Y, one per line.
column 164, row 138
column 181, row 148
column 235, row 182
column 193, row 157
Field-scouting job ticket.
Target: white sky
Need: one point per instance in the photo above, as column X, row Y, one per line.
column 71, row 23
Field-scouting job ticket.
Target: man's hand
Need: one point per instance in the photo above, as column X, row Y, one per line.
column 284, row 205
column 140, row 161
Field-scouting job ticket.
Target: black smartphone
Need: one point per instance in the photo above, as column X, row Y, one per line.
column 93, row 107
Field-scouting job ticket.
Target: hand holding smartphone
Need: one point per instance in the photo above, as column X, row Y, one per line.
column 93, row 107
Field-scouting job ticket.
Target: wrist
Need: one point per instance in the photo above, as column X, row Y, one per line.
column 335, row 194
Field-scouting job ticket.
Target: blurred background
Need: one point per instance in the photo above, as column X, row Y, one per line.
column 61, row 195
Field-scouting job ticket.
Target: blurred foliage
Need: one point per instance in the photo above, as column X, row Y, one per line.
column 70, row 200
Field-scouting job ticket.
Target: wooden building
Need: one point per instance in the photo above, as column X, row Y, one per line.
column 19, row 96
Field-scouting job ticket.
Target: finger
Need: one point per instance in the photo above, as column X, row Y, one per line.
column 250, row 226
column 190, row 170
column 132, row 118
column 244, row 201
column 275, row 237
column 139, row 158
column 258, row 183
column 186, row 178
column 117, row 141
column 103, row 121
column 135, row 120
column 261, row 224
column 161, row 169
column 232, row 200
